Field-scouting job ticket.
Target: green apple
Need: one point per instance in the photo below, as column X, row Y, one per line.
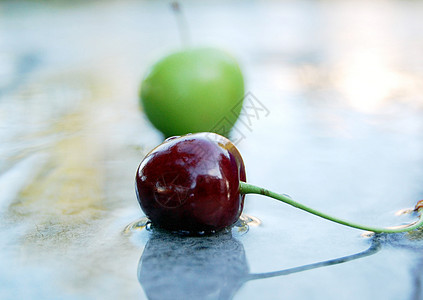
column 193, row 90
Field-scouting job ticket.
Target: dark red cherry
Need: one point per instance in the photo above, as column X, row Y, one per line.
column 191, row 183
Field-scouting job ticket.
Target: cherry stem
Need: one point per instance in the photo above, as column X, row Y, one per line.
column 246, row 188
column 182, row 24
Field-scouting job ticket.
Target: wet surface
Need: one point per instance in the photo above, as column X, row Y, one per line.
column 334, row 119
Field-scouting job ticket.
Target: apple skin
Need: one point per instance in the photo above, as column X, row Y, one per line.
column 191, row 183
column 194, row 90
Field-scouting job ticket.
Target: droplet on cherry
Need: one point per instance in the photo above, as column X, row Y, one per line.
column 192, row 183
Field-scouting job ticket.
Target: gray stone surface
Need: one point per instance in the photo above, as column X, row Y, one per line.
column 340, row 128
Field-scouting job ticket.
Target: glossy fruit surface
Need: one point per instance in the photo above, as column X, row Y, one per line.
column 191, row 183
column 194, row 90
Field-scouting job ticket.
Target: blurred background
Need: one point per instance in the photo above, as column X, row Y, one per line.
column 342, row 82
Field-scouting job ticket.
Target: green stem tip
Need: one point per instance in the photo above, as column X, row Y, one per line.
column 182, row 24
column 246, row 188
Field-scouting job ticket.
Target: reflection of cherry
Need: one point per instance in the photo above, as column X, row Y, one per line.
column 188, row 267
column 212, row 267
column 191, row 183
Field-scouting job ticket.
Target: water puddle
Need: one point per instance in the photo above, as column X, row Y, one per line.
column 240, row 228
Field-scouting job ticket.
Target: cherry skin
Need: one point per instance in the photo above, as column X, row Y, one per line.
column 191, row 183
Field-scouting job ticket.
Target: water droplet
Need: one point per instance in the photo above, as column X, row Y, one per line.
column 405, row 211
column 368, row 234
column 243, row 224
column 138, row 225
column 172, row 138
column 250, row 220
